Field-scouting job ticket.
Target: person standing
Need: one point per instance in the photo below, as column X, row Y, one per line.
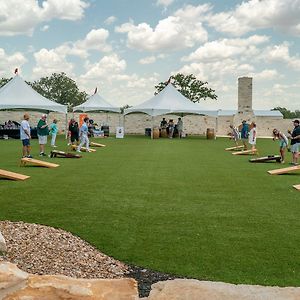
column 235, row 135
column 283, row 142
column 25, row 136
column 84, row 139
column 244, row 134
column 171, row 126
column 179, row 126
column 252, row 136
column 163, row 123
column 42, row 132
column 73, row 132
column 295, row 142
column 53, row 132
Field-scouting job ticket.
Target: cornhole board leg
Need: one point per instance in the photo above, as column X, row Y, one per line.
column 297, row 187
column 97, row 144
column 263, row 159
column 284, row 170
column 37, row 162
column 12, row 175
column 83, row 149
column 234, row 148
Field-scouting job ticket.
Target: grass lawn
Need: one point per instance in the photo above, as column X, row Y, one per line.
column 184, row 207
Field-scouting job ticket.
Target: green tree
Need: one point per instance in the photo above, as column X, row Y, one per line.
column 60, row 88
column 4, row 81
column 189, row 86
column 287, row 114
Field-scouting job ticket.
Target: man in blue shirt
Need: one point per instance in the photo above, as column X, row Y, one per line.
column 295, row 142
column 84, row 139
column 244, row 134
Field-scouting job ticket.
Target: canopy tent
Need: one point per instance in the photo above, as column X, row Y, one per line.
column 169, row 101
column 96, row 103
column 17, row 94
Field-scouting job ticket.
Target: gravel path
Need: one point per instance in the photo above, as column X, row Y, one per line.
column 40, row 249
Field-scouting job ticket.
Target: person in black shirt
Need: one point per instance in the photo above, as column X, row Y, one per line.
column 74, row 131
column 295, row 142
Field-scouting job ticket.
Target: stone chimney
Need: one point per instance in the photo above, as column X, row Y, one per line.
column 245, row 111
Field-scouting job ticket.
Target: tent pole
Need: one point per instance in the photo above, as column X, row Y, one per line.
column 66, row 126
column 152, row 125
column 216, row 127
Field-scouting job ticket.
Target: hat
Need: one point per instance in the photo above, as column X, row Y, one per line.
column 296, row 121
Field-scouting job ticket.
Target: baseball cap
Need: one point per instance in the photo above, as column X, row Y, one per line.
column 296, row 121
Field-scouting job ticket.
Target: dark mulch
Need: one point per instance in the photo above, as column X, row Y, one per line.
column 146, row 278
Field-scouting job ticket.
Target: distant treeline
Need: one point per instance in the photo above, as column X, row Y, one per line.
column 287, row 114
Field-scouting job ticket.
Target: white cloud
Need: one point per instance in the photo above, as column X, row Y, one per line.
column 226, row 48
column 50, row 61
column 21, row 17
column 110, row 20
column 147, row 60
column 164, row 3
column 268, row 74
column 251, row 15
column 182, row 30
column 8, row 63
column 45, row 28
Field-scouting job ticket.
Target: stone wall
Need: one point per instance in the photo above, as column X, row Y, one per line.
column 136, row 123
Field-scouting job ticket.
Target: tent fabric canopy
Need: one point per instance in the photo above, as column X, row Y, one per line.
column 169, row 101
column 96, row 103
column 17, row 94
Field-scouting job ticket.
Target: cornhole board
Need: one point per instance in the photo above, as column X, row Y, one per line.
column 74, row 147
column 236, row 148
column 297, row 187
column 37, row 162
column 57, row 153
column 284, row 170
column 97, row 144
column 246, row 152
column 12, row 175
column 269, row 158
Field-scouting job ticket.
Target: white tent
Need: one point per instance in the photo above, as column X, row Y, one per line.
column 96, row 103
column 17, row 94
column 169, row 101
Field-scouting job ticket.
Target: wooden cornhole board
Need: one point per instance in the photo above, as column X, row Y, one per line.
column 97, row 144
column 37, row 162
column 284, row 170
column 74, row 147
column 56, row 153
column 297, row 187
column 12, row 175
column 269, row 158
column 236, row 148
column 246, row 152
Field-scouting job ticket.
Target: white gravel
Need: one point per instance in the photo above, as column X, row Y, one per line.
column 40, row 249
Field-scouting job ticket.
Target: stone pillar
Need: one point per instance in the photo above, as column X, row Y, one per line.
column 245, row 111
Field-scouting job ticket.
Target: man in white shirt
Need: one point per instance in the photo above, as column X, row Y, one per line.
column 84, row 139
column 25, row 136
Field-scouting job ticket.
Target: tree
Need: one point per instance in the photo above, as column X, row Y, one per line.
column 287, row 114
column 61, row 89
column 189, row 86
column 4, row 81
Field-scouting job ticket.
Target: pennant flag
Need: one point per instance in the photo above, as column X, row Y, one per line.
column 16, row 71
column 169, row 80
column 95, row 91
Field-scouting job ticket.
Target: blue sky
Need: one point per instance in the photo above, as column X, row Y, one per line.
column 126, row 47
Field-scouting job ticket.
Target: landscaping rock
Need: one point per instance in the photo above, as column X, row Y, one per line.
column 183, row 289
column 58, row 287
column 2, row 243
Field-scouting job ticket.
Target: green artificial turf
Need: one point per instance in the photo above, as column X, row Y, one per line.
column 185, row 207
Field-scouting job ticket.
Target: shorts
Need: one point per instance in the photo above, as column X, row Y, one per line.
column 74, row 138
column 42, row 139
column 282, row 144
column 26, row 142
column 295, row 148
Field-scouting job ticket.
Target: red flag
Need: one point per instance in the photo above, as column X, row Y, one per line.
column 16, row 71
column 169, row 80
column 95, row 91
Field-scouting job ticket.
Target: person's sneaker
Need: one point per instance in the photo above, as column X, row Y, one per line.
column 282, row 161
column 78, row 151
column 29, row 156
column 54, row 146
column 43, row 154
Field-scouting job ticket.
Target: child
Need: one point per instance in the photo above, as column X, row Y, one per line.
column 84, row 139
column 53, row 132
column 283, row 142
column 252, row 136
column 235, row 135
